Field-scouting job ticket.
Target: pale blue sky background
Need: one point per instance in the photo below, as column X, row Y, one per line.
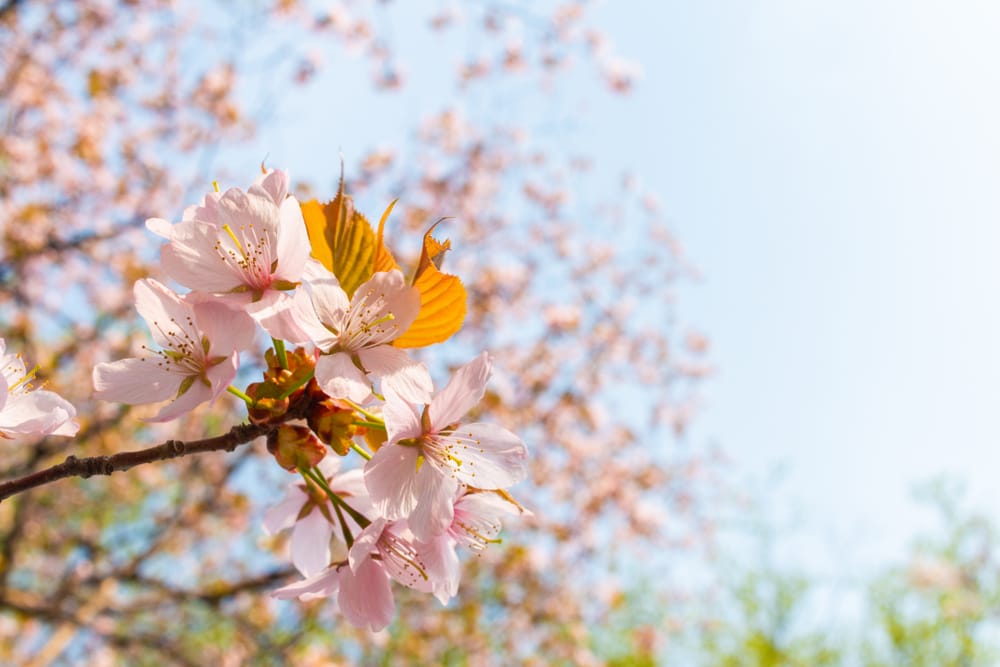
column 833, row 170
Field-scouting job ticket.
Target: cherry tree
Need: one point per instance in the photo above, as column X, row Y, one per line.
column 115, row 121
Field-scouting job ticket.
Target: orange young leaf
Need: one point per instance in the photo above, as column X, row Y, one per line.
column 342, row 239
column 442, row 298
column 384, row 261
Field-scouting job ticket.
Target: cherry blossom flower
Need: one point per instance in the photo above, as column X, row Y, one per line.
column 416, row 474
column 28, row 411
column 355, row 337
column 475, row 525
column 250, row 249
column 200, row 356
column 311, row 517
column 382, row 552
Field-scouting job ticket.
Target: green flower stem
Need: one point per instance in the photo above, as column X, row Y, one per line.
column 240, row 395
column 371, row 415
column 378, row 425
column 317, row 477
column 279, row 351
column 348, row 537
column 365, row 455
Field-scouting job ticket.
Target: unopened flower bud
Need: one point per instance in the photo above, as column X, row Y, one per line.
column 269, row 406
column 295, row 446
column 333, row 423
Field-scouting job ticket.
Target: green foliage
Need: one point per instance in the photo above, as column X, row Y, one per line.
column 941, row 609
column 759, row 626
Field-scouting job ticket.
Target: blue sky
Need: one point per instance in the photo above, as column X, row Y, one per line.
column 832, row 169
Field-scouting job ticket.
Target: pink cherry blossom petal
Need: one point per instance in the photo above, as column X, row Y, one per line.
column 477, row 519
column 37, row 412
column 283, row 515
column 402, row 420
column 390, row 477
column 222, row 373
column 320, row 585
column 274, row 184
column 462, row 393
column 434, row 508
column 293, row 242
column 366, row 542
column 285, row 316
column 169, row 319
column 491, row 457
column 134, row 381
column 338, row 377
column 226, row 328
column 196, row 394
column 387, row 294
column 69, row 428
column 406, row 377
column 160, row 227
column 365, row 596
column 194, row 262
column 311, row 543
column 329, row 466
column 443, row 567
column 330, row 303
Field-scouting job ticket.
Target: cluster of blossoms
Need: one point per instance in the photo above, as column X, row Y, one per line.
column 320, row 278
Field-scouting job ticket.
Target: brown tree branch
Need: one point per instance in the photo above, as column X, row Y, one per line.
column 105, row 465
column 8, row 7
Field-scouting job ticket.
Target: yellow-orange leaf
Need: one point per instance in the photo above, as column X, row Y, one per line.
column 342, row 239
column 384, row 261
column 442, row 299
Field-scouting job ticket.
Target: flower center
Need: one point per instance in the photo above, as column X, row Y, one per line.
column 249, row 254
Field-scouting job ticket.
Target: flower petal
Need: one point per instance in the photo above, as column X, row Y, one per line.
column 170, row 319
column 443, row 567
column 293, row 241
column 319, row 585
column 366, row 543
column 330, row 303
column 391, row 477
column 289, row 317
column 489, row 457
column 193, row 261
column 407, row 378
column 338, row 377
column 393, row 297
column 196, row 394
column 38, row 412
column 477, row 519
column 401, row 418
column 365, row 596
column 134, row 381
column 463, row 392
column 226, row 328
column 434, row 511
column 311, row 543
column 274, row 184
column 283, row 515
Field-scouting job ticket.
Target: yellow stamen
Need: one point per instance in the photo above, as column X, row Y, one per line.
column 26, row 379
column 232, row 235
column 215, row 185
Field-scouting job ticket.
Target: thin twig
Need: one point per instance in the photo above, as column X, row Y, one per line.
column 105, row 465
